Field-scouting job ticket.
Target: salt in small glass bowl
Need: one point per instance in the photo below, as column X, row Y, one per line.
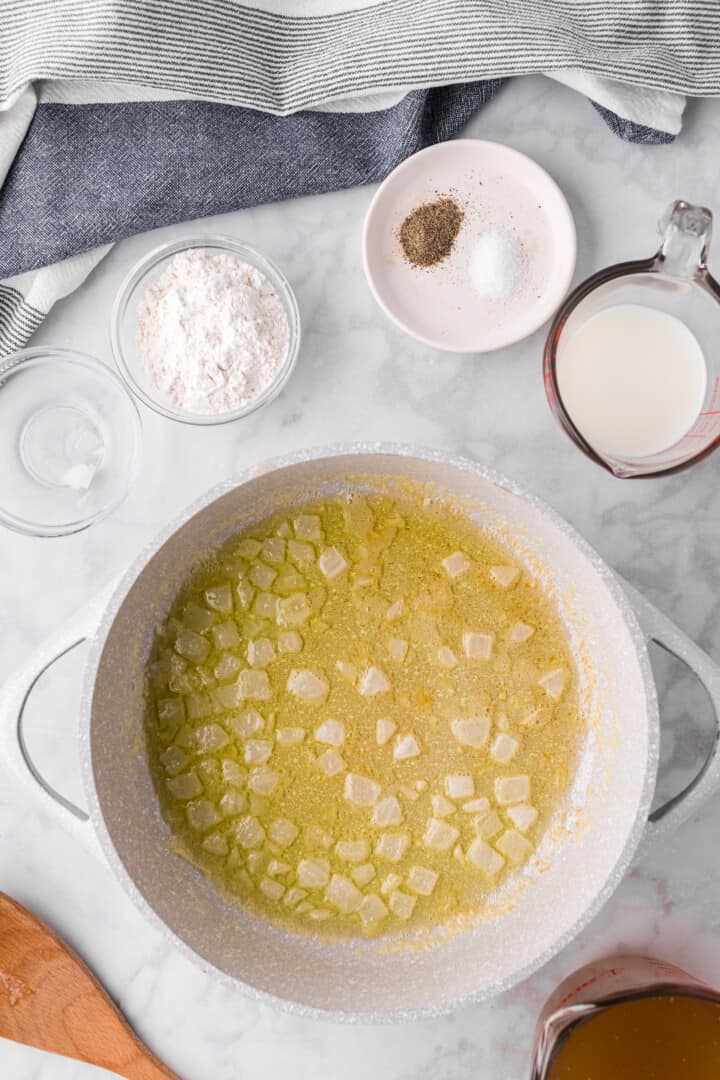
column 124, row 325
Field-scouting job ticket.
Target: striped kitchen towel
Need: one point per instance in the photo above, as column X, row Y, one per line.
column 122, row 115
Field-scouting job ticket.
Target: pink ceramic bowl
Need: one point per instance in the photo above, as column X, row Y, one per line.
column 500, row 190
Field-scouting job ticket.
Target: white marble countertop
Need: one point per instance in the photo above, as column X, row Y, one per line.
column 359, row 378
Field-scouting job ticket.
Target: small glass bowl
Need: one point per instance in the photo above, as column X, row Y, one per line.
column 70, row 441
column 123, row 325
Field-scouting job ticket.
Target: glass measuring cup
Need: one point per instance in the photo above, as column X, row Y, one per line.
column 676, row 281
column 600, row 986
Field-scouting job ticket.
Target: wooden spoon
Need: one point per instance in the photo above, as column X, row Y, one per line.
column 49, row 999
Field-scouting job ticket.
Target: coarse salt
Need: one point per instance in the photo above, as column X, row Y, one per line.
column 496, row 264
column 212, row 333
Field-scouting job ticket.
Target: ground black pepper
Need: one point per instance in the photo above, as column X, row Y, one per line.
column 428, row 232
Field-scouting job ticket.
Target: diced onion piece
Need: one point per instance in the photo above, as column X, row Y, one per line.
column 439, row 835
column 227, row 666
column 471, row 731
column 477, row 646
column 245, row 593
column 256, row 862
column 317, row 837
column 294, row 896
column 186, row 786
column 331, row 762
column 442, row 807
column 342, row 894
column 421, row 880
column 522, row 816
column 352, row 850
column 225, row 635
column 313, row 873
column 300, row 553
column 364, row 874
column 202, row 815
column 293, row 610
column 210, row 769
column 216, row 844
column 387, row 812
column 254, row 684
column 514, row 846
column 331, row 732
column 192, row 646
column 553, row 683
column 332, row 563
column 398, row 649
column 185, row 737
column 289, row 582
column 389, row 883
column 504, row 748
column 456, row 564
column 170, row 711
column 459, row 787
column 284, row 530
column 258, row 804
column 347, row 670
column 211, row 737
column 373, row 681
column 283, row 832
column 304, row 908
column 219, row 598
column 260, row 652
column 406, row 746
column 198, row 705
column 520, row 632
column 263, row 576
column 395, row 611
column 408, row 792
column 232, row 803
column 272, row 889
column 372, row 910
column 174, row 760
column 504, row 576
column 421, row 785
column 257, row 751
column 485, row 858
column 487, row 825
column 246, row 723
column 446, row 657
column 263, row 781
column 265, row 605
column 250, row 833
column 233, row 774
column 197, row 618
column 273, row 550
column 224, row 698
column 512, row 789
column 289, row 736
column 477, row 806
column 320, row 914
column 308, row 686
column 248, row 548
column 361, row 790
column 402, row 904
column 308, row 527
column 289, row 641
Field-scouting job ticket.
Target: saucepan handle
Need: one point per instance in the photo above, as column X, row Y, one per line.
column 663, row 631
column 14, row 696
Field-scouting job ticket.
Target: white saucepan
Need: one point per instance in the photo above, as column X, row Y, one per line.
column 606, row 815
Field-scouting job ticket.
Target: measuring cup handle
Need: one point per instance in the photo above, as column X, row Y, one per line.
column 667, row 635
column 14, row 696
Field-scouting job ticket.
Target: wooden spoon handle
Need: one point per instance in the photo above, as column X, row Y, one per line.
column 50, row 1000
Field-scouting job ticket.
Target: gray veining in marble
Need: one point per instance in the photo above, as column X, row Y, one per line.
column 359, row 378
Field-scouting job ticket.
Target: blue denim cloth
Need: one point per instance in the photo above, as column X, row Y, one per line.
column 87, row 175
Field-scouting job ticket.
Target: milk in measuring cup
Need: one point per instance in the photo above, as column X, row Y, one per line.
column 632, row 379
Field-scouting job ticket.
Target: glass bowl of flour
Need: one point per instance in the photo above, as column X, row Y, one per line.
column 205, row 330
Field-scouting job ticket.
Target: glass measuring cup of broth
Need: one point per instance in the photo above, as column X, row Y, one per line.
column 629, row 1018
column 632, row 358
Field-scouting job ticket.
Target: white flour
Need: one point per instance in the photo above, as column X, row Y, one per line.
column 212, row 333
